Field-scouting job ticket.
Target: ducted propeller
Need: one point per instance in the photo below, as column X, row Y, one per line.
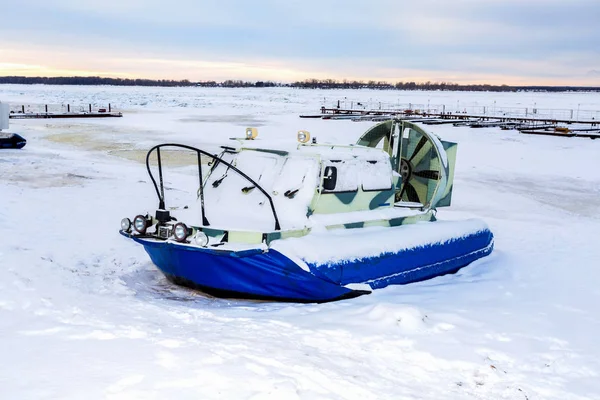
column 425, row 163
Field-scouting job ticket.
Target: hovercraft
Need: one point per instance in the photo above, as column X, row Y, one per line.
column 314, row 223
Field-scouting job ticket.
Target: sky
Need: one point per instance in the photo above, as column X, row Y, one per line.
column 528, row 42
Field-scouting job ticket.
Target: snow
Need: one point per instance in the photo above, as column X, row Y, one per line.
column 351, row 173
column 344, row 245
column 320, row 220
column 84, row 314
column 376, row 176
column 247, row 207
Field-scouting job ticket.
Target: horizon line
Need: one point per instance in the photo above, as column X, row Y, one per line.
column 323, row 81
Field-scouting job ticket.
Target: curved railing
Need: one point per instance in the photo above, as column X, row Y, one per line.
column 161, row 192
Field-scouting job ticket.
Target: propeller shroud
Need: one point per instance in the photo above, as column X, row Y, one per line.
column 424, row 161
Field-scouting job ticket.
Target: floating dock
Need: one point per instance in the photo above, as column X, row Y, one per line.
column 337, row 113
column 66, row 115
column 532, row 123
column 62, row 111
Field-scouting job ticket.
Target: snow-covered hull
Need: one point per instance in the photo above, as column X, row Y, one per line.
column 411, row 264
column 271, row 275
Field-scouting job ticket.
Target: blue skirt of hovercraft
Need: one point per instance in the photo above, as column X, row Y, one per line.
column 270, row 275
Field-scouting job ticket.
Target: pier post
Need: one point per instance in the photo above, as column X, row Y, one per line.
column 90, row 108
column 46, row 108
column 68, row 108
column 109, row 110
column 23, row 109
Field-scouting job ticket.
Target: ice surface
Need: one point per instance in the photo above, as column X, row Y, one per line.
column 84, row 314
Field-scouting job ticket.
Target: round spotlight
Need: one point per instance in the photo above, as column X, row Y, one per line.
column 126, row 225
column 140, row 224
column 181, row 232
column 303, row 136
column 201, row 239
column 251, row 133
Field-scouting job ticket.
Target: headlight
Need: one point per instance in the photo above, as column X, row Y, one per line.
column 201, row 239
column 251, row 133
column 140, row 224
column 181, row 232
column 303, row 136
column 126, row 224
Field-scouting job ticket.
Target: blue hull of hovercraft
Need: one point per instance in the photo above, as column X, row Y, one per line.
column 270, row 275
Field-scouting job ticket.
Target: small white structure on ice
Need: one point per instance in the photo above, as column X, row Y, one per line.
column 3, row 115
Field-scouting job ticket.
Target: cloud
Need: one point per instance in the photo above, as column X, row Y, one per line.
column 541, row 40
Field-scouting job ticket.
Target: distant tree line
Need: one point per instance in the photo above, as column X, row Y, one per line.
column 96, row 80
column 383, row 85
column 306, row 84
column 238, row 83
column 345, row 84
column 92, row 80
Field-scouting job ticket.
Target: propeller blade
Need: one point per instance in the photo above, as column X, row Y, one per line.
column 428, row 174
column 411, row 193
column 422, row 157
column 403, row 190
column 418, row 147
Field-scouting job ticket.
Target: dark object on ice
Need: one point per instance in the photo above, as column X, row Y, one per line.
column 12, row 141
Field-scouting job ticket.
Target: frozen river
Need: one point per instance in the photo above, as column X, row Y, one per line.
column 85, row 314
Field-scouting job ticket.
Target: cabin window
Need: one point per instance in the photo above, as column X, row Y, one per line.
column 376, row 175
column 329, row 178
column 349, row 175
column 341, row 176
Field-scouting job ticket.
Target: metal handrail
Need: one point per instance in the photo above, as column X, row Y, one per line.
column 161, row 193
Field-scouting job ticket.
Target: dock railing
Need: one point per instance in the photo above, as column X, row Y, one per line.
column 24, row 111
column 486, row 111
